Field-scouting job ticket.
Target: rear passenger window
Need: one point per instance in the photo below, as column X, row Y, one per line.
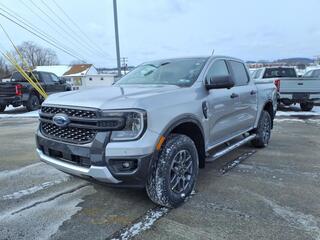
column 218, row 69
column 257, row 73
column 46, row 78
column 240, row 73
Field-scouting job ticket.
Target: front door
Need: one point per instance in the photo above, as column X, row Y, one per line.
column 221, row 104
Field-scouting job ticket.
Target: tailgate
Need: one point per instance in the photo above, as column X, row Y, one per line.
column 7, row 89
column 300, row 85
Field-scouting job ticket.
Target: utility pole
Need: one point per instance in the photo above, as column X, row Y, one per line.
column 124, row 61
column 115, row 14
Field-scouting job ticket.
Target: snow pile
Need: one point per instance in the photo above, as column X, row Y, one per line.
column 144, row 223
column 18, row 112
column 295, row 111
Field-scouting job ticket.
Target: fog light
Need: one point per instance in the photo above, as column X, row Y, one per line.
column 125, row 164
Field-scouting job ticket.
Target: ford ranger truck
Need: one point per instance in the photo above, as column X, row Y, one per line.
column 157, row 125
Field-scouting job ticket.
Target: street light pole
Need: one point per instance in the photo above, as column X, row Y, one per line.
column 115, row 14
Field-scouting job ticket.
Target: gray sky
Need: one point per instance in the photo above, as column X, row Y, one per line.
column 149, row 29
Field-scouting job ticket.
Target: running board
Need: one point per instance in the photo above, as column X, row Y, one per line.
column 230, row 148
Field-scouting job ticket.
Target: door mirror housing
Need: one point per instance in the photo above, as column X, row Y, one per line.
column 219, row 82
column 62, row 81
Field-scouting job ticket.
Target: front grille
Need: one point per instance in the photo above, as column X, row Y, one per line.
column 68, row 134
column 80, row 113
column 82, row 128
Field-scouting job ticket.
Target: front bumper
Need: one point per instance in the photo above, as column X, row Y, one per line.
column 99, row 160
column 98, row 173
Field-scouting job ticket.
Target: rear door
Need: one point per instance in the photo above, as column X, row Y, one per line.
column 246, row 106
column 221, row 106
column 58, row 87
column 50, row 85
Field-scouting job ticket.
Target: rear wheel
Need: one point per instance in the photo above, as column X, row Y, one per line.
column 307, row 106
column 173, row 177
column 263, row 131
column 33, row 103
column 2, row 108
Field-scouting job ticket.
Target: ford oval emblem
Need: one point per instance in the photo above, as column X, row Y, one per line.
column 61, row 120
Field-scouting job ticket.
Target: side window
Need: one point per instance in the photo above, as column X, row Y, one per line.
column 240, row 73
column 218, row 68
column 46, row 78
column 316, row 73
column 54, row 78
column 257, row 74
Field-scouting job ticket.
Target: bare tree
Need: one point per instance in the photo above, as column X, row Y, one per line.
column 35, row 55
column 4, row 71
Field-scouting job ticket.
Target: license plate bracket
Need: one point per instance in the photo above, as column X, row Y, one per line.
column 301, row 96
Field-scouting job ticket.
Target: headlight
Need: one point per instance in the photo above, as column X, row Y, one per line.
column 134, row 124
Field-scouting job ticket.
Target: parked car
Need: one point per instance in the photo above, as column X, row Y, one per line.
column 292, row 89
column 156, row 126
column 18, row 91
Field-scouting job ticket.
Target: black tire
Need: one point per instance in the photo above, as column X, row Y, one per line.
column 307, row 106
column 2, row 108
column 33, row 103
column 171, row 179
column 263, row 131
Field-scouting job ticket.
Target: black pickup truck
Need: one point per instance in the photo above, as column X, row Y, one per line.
column 18, row 91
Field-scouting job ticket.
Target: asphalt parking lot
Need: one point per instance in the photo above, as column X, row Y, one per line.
column 272, row 194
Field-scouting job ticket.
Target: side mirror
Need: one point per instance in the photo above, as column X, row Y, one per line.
column 219, row 82
column 62, row 81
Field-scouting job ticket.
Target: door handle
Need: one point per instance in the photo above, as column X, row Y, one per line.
column 234, row 95
column 253, row 92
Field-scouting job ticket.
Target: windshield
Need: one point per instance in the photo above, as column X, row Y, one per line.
column 17, row 77
column 279, row 72
column 180, row 72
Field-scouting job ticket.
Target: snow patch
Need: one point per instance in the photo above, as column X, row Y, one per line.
column 295, row 112
column 143, row 224
column 33, row 114
column 28, row 191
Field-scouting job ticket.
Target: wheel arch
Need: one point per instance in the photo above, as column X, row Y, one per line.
column 268, row 106
column 190, row 126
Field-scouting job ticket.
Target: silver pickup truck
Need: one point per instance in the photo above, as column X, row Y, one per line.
column 292, row 89
column 157, row 125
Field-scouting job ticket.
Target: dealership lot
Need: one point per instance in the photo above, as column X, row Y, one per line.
column 273, row 194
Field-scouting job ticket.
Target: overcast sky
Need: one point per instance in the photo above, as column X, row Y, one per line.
column 149, row 29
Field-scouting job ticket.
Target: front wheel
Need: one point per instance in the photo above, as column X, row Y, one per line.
column 2, row 108
column 174, row 175
column 263, row 131
column 307, row 106
column 33, row 103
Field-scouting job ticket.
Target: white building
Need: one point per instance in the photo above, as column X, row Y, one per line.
column 85, row 75
column 58, row 70
column 79, row 75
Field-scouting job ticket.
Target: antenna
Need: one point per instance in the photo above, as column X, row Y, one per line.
column 212, row 52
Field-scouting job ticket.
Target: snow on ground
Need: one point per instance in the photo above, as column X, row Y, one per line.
column 296, row 111
column 18, row 112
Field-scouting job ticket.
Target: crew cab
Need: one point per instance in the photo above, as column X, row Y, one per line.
column 18, row 91
column 292, row 89
column 157, row 125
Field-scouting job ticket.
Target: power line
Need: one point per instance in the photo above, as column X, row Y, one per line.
column 59, row 27
column 79, row 28
column 34, row 28
column 69, row 28
column 32, row 32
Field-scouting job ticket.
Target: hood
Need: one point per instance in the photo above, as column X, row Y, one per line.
column 113, row 97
